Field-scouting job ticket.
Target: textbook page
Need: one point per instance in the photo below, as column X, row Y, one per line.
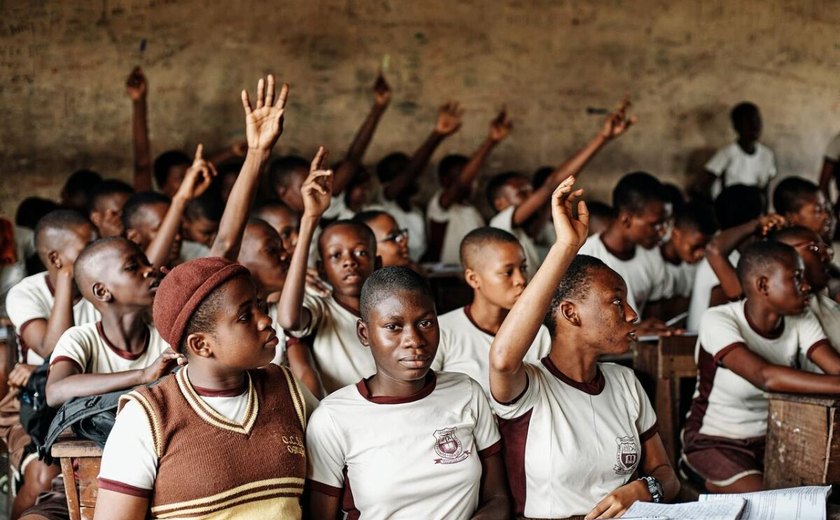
column 807, row 502
column 729, row 509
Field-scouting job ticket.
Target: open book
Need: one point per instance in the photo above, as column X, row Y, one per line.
column 806, row 502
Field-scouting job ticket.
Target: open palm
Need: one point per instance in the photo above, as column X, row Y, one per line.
column 264, row 124
column 571, row 231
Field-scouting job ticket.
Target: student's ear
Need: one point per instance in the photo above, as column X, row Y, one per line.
column 55, row 259
column 472, row 278
column 569, row 312
column 197, row 345
column 362, row 332
column 133, row 235
column 625, row 218
column 100, row 292
column 762, row 283
column 97, row 218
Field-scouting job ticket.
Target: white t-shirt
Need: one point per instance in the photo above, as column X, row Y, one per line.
column 738, row 167
column 413, row 458
column 12, row 274
column 130, row 458
column 504, row 220
column 644, row 274
column 32, row 299
column 681, row 277
column 280, row 357
column 465, row 348
column 827, row 312
column 705, row 280
column 191, row 250
column 725, row 404
column 460, row 219
column 412, row 220
column 87, row 347
column 340, row 358
column 832, row 151
column 568, row 444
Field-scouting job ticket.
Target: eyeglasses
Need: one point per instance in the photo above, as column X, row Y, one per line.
column 820, row 248
column 400, row 236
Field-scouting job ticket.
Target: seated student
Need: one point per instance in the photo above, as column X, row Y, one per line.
column 628, row 246
column 392, row 243
column 694, row 226
column 228, row 173
column 200, row 224
column 450, row 214
column 169, row 170
column 494, row 267
column 801, row 203
column 601, row 215
column 747, row 348
column 559, row 462
column 283, row 219
column 107, row 200
column 75, row 194
column 746, row 161
column 286, row 175
column 736, row 205
column 511, row 195
column 348, row 257
column 434, row 428
column 228, row 400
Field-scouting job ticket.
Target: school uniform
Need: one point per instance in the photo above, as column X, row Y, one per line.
column 681, row 277
column 339, row 357
column 87, row 347
column 12, row 273
column 827, row 312
column 504, row 220
column 705, row 280
column 567, row 444
column 644, row 274
column 732, row 165
column 464, row 347
column 175, row 429
column 403, row 458
column 283, row 339
column 726, row 425
column 33, row 299
column 459, row 219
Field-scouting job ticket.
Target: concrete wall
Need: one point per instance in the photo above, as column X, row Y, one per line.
column 63, row 64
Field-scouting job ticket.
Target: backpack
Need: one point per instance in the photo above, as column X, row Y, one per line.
column 35, row 415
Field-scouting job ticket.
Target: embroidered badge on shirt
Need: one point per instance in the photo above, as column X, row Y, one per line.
column 626, row 456
column 448, row 447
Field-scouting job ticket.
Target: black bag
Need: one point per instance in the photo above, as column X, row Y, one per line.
column 35, row 415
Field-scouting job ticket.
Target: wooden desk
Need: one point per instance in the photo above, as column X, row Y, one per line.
column 661, row 366
column 803, row 441
column 80, row 462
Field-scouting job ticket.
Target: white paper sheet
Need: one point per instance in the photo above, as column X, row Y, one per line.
column 807, row 503
column 712, row 510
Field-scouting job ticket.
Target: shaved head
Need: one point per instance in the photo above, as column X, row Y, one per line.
column 762, row 258
column 96, row 259
column 388, row 281
column 478, row 239
column 56, row 228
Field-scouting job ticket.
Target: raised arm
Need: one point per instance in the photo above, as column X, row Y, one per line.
column 350, row 165
column 507, row 375
column 448, row 122
column 196, row 181
column 500, row 128
column 263, row 126
column 137, row 89
column 316, row 192
column 616, row 124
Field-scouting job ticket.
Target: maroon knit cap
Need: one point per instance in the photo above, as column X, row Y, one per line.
column 182, row 291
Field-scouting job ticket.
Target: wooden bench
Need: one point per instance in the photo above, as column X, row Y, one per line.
column 803, row 441
column 80, row 462
column 661, row 367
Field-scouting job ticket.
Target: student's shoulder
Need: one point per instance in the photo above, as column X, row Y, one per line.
column 592, row 246
column 453, row 318
column 33, row 286
column 503, row 219
column 726, row 312
column 86, row 332
column 763, row 149
column 451, row 385
column 616, row 372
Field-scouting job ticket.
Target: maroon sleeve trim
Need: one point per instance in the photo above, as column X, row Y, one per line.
column 26, row 324
column 125, row 489
column 518, row 397
column 491, row 450
column 815, row 346
column 726, row 350
column 59, row 359
column 649, row 433
column 323, row 488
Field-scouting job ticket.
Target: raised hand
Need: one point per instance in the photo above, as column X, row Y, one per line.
column 317, row 188
column 617, row 122
column 264, row 124
column 381, row 91
column 136, row 84
column 500, row 127
column 769, row 223
column 198, row 178
column 449, row 119
column 571, row 231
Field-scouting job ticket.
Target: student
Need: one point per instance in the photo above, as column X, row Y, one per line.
column 436, row 453
column 494, row 267
column 286, row 175
column 628, row 246
column 745, row 349
column 200, row 224
column 510, row 194
column 601, row 215
column 17, row 246
column 746, row 161
column 107, row 200
column 222, row 403
column 42, row 306
column 575, row 431
column 348, row 257
column 450, row 214
column 801, row 203
column 283, row 219
column 75, row 194
column 736, row 205
column 392, row 243
column 694, row 226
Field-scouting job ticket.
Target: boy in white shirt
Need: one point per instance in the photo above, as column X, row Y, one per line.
column 694, row 226
column 801, row 203
column 746, row 161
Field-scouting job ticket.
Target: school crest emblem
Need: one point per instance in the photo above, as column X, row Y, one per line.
column 448, row 447
column 626, row 456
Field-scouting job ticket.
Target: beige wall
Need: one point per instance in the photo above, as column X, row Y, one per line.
column 62, row 67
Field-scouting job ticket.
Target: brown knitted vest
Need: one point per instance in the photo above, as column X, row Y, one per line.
column 210, row 467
